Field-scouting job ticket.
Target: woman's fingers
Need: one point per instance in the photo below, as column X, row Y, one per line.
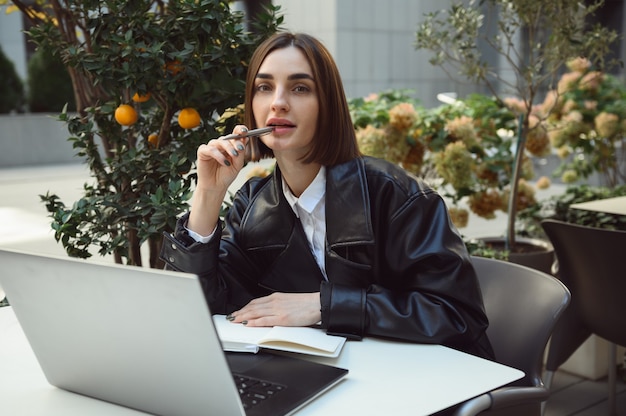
column 284, row 309
column 225, row 152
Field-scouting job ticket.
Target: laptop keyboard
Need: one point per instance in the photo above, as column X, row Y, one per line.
column 254, row 391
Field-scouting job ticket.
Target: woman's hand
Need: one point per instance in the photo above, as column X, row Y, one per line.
column 219, row 162
column 282, row 309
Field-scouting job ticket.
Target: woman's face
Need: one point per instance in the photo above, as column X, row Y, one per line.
column 285, row 96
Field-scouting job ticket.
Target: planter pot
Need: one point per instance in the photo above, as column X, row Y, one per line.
column 591, row 359
column 530, row 252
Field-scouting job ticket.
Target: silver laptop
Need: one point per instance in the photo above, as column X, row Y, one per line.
column 144, row 339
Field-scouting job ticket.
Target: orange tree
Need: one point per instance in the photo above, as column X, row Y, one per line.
column 173, row 55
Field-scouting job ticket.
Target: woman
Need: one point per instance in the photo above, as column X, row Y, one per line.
column 330, row 236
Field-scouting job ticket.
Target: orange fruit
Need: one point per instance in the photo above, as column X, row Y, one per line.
column 153, row 139
column 126, row 115
column 174, row 67
column 138, row 98
column 188, row 118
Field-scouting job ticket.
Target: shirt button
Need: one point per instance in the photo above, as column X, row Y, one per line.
column 173, row 246
column 171, row 259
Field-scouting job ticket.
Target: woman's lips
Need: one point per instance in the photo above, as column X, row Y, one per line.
column 278, row 130
column 281, row 125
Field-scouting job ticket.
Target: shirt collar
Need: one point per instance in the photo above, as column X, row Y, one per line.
column 311, row 196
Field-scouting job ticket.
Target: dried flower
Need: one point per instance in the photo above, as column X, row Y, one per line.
column 525, row 195
column 396, row 145
column 606, row 124
column 454, row 165
column 579, row 64
column 563, row 152
column 462, row 128
column 569, row 107
column 551, row 103
column 528, row 170
column 590, row 105
column 569, row 176
column 414, row 159
column 487, row 175
column 485, row 203
column 591, row 81
column 402, row 116
column 543, row 182
column 568, row 131
column 537, row 141
column 371, row 140
column 567, row 82
column 516, row 105
column 386, row 143
column 459, row 216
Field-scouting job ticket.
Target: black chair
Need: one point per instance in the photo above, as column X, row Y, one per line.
column 592, row 264
column 522, row 305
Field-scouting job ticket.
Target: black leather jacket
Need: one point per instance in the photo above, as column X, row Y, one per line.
column 396, row 267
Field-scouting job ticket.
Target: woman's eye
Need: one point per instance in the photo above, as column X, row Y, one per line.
column 263, row 87
column 301, row 88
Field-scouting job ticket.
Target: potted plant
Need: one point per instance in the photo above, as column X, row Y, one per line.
column 463, row 148
column 150, row 79
column 557, row 207
column 535, row 39
column 587, row 126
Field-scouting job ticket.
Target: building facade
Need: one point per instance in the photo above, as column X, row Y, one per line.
column 372, row 42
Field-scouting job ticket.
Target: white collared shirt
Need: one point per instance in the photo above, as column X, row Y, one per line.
column 310, row 208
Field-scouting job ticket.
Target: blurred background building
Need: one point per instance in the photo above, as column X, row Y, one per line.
column 372, row 42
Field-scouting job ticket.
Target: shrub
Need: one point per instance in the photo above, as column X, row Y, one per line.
column 11, row 88
column 557, row 207
column 49, row 83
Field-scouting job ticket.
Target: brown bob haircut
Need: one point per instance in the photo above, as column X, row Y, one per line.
column 335, row 140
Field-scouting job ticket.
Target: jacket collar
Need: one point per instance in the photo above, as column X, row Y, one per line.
column 347, row 209
column 348, row 216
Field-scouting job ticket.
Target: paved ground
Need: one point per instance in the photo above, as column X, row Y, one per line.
column 24, row 222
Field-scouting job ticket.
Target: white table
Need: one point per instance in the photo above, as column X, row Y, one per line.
column 615, row 205
column 400, row 378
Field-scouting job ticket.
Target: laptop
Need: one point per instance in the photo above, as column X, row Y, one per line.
column 144, row 339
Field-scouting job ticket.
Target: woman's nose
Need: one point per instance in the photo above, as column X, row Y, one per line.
column 280, row 101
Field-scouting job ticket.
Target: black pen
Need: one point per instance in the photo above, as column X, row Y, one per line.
column 255, row 132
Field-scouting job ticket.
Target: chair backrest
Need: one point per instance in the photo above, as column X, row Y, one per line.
column 522, row 305
column 592, row 264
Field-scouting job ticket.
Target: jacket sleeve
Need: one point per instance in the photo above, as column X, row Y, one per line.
column 221, row 264
column 182, row 253
column 423, row 286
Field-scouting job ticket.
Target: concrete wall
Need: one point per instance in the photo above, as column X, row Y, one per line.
column 37, row 139
column 373, row 43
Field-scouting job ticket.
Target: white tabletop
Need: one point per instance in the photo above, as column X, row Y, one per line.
column 400, row 378
column 615, row 205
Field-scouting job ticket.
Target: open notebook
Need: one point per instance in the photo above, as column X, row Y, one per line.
column 304, row 340
column 144, row 339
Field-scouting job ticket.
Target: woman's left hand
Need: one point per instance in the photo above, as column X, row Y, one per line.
column 281, row 309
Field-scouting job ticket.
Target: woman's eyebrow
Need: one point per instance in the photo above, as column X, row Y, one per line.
column 291, row 77
column 300, row 76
